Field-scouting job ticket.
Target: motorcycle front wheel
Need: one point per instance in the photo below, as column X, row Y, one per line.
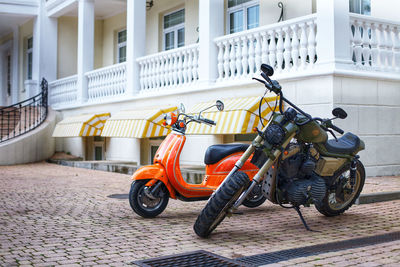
column 340, row 197
column 219, row 204
column 255, row 198
column 145, row 205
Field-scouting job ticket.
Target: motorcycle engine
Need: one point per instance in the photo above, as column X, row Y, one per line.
column 298, row 184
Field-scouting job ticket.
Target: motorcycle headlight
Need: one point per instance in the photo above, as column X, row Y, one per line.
column 274, row 134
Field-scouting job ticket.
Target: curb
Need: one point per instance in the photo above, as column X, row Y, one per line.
column 377, row 197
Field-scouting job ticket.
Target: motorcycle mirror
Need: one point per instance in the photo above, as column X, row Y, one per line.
column 181, row 108
column 339, row 112
column 220, row 105
column 267, row 69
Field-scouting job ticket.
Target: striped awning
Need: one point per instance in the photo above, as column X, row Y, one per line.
column 240, row 116
column 81, row 125
column 142, row 123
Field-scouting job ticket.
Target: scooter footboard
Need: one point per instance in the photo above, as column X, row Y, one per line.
column 154, row 172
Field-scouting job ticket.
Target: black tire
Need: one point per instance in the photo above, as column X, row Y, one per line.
column 255, row 198
column 330, row 206
column 218, row 205
column 143, row 205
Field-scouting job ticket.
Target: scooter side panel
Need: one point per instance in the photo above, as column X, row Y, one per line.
column 155, row 171
column 216, row 173
column 172, row 166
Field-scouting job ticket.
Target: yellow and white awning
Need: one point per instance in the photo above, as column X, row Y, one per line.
column 240, row 116
column 142, row 123
column 81, row 125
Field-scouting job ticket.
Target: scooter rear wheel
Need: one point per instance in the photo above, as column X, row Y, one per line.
column 219, row 204
column 144, row 205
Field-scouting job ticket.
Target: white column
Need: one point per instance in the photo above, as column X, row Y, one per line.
column 85, row 46
column 211, row 25
column 44, row 49
column 15, row 66
column 333, row 34
column 135, row 43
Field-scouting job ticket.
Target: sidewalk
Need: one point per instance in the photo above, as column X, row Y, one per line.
column 58, row 215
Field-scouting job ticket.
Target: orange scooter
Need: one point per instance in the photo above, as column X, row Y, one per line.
column 153, row 185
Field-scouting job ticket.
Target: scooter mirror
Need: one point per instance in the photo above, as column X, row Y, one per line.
column 267, row 69
column 220, row 105
column 339, row 112
column 181, row 108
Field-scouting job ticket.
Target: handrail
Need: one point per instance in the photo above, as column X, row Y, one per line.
column 24, row 116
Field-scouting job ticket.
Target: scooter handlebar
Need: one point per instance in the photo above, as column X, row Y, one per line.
column 208, row 121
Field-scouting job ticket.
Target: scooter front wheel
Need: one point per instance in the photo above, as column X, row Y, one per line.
column 144, row 204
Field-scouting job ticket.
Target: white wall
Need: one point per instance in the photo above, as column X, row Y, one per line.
column 374, row 115
column 123, row 149
column 386, row 9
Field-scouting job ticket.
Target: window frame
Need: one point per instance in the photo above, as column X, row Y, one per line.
column 359, row 4
column 120, row 45
column 244, row 8
column 174, row 29
column 28, row 52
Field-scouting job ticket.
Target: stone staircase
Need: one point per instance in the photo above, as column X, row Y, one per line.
column 10, row 118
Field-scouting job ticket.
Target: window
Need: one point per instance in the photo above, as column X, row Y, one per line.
column 8, row 75
column 242, row 15
column 29, row 58
column 174, row 30
column 121, row 46
column 360, row 6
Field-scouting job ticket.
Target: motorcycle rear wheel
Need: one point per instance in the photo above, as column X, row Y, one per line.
column 337, row 202
column 219, row 204
column 142, row 204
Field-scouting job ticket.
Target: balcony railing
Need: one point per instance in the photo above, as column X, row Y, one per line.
column 287, row 46
column 63, row 91
column 170, row 68
column 106, row 82
column 375, row 43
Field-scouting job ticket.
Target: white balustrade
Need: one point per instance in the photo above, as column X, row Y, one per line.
column 106, row 82
column 375, row 43
column 170, row 68
column 63, row 91
column 287, row 46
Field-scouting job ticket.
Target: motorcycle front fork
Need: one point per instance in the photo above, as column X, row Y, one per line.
column 261, row 173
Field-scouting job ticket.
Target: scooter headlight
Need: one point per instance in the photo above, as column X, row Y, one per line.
column 170, row 118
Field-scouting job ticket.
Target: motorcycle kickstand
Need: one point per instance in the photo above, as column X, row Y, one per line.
column 297, row 208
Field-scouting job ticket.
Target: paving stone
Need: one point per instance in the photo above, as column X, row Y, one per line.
column 53, row 214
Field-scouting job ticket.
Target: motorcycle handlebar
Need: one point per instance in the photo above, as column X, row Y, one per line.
column 337, row 129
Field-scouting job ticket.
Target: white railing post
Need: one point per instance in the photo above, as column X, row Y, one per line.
column 135, row 44
column 333, row 38
column 211, row 25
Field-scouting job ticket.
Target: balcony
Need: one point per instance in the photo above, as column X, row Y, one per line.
column 291, row 47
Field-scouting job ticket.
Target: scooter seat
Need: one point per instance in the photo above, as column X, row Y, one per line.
column 347, row 144
column 215, row 153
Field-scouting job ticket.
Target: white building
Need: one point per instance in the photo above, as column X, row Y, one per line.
column 103, row 56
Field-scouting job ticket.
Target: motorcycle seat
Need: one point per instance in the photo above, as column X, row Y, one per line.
column 346, row 144
column 215, row 153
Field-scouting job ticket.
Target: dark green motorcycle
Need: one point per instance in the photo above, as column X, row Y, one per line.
column 298, row 165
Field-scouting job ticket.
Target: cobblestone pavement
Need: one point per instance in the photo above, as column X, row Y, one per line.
column 55, row 215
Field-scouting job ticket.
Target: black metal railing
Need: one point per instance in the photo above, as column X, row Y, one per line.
column 20, row 118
